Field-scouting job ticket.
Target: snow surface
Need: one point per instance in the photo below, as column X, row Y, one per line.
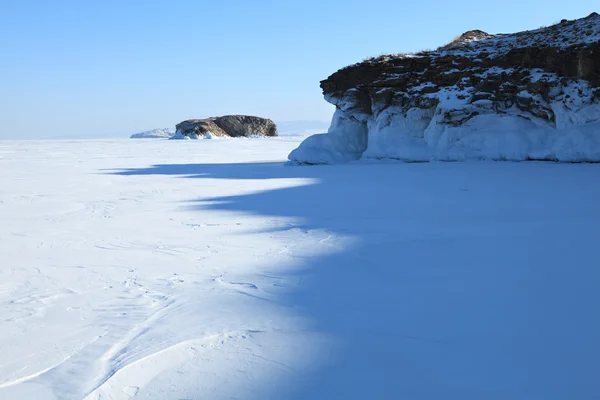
column 212, row 270
column 158, row 133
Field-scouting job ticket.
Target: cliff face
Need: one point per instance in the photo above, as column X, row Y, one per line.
column 529, row 95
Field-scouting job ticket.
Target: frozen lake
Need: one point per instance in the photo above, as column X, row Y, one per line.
column 210, row 270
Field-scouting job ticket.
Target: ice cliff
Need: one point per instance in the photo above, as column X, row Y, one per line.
column 532, row 95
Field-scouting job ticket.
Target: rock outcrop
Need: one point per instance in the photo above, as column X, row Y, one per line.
column 530, row 95
column 226, row 126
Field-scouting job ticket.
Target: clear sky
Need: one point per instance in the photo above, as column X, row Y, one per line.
column 120, row 66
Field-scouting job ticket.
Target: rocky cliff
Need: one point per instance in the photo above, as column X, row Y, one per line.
column 226, row 126
column 531, row 95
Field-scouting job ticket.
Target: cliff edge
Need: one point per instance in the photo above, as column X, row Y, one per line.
column 532, row 95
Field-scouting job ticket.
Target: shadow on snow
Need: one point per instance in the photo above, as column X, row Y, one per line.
column 465, row 281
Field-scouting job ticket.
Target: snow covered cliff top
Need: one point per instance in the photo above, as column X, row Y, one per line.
column 514, row 96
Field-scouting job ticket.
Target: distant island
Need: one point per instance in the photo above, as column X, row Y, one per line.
column 283, row 128
column 225, row 126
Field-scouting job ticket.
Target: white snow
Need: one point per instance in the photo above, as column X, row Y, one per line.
column 345, row 141
column 484, row 137
column 158, row 133
column 422, row 134
column 212, row 270
column 419, row 136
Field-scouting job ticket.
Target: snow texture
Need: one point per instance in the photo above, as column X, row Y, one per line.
column 211, row 270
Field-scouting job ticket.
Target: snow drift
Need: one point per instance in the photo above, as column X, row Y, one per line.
column 532, row 95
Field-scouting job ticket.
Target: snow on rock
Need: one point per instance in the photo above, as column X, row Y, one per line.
column 225, row 126
column 179, row 135
column 532, row 95
column 467, row 37
column 154, row 134
column 345, row 141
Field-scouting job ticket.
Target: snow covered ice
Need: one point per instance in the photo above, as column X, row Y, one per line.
column 158, row 269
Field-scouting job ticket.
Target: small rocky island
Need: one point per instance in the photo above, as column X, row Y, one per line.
column 225, row 126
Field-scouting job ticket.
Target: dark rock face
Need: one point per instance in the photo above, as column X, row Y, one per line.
column 199, row 127
column 244, row 125
column 228, row 125
column 549, row 77
column 570, row 50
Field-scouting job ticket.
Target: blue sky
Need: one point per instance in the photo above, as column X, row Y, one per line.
column 90, row 68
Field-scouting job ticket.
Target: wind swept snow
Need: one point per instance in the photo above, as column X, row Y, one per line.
column 212, row 270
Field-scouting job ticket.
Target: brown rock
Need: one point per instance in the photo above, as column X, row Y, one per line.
column 228, row 125
column 488, row 67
